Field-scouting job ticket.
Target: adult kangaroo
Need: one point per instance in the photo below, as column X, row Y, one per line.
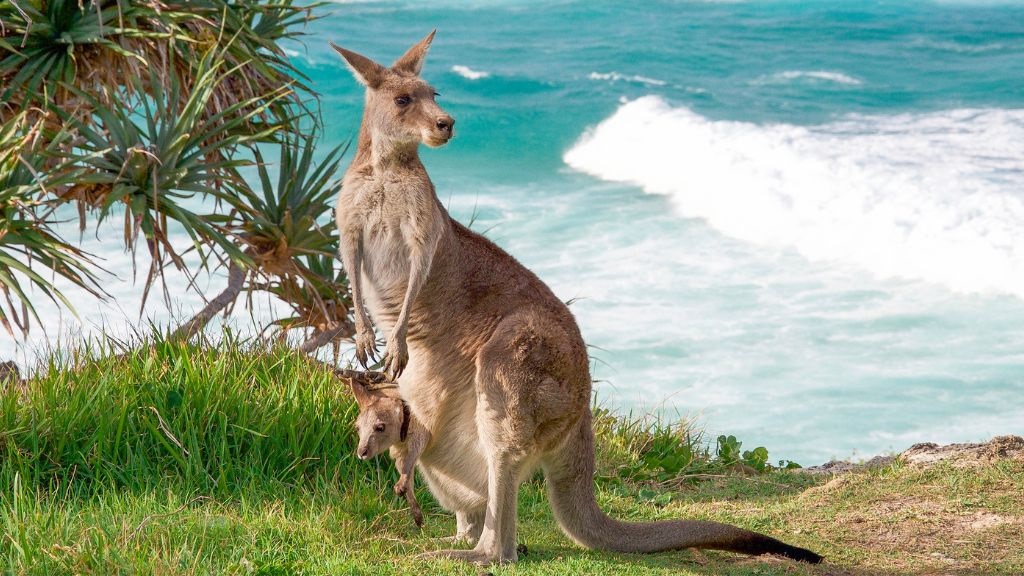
column 488, row 359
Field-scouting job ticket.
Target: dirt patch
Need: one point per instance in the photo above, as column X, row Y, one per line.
column 958, row 518
column 842, row 466
column 912, row 529
column 966, row 455
column 958, row 455
column 828, row 488
column 986, row 520
column 935, row 514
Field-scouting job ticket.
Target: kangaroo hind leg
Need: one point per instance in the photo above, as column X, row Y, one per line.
column 505, row 424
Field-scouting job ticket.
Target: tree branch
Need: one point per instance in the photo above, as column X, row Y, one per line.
column 324, row 337
column 236, row 279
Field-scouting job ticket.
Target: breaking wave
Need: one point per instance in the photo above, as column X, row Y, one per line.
column 935, row 196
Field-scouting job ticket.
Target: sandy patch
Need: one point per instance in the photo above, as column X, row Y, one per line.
column 966, row 455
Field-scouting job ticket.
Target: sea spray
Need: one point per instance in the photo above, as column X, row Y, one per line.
column 933, row 196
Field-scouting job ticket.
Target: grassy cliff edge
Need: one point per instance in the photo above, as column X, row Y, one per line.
column 236, row 459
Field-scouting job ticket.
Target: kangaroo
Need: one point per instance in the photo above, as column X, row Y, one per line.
column 385, row 422
column 488, row 359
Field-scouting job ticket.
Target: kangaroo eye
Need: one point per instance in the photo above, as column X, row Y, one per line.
column 403, row 100
column 437, row 95
column 379, row 427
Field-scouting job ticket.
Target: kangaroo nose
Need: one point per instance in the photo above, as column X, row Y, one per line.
column 445, row 123
column 364, row 453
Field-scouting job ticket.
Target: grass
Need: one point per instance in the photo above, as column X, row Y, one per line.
column 236, row 459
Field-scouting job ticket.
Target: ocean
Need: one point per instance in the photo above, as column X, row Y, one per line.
column 800, row 223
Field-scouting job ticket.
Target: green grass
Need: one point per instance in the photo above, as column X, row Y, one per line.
column 237, row 459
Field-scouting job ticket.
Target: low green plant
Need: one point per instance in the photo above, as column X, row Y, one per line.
column 729, row 454
column 649, row 451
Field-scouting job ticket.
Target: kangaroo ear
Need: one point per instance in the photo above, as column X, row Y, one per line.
column 412, row 61
column 359, row 391
column 366, row 71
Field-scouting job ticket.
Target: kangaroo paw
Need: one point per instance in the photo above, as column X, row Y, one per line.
column 366, row 347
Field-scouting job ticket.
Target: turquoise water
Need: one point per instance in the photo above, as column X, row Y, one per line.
column 798, row 222
column 801, row 223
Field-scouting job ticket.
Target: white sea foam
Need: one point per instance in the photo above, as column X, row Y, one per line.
column 959, row 47
column 469, row 73
column 936, row 197
column 616, row 77
column 814, row 75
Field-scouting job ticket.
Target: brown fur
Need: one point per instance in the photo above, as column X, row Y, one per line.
column 386, row 423
column 494, row 364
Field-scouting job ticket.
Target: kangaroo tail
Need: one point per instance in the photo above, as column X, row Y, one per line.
column 570, row 479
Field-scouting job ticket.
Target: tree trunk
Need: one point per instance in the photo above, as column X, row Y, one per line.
column 236, row 279
column 325, row 337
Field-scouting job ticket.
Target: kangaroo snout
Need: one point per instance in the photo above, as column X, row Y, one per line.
column 443, row 131
column 445, row 123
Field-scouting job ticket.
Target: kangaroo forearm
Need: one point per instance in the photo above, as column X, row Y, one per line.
column 419, row 269
column 405, row 465
column 418, row 441
column 352, row 259
column 414, row 446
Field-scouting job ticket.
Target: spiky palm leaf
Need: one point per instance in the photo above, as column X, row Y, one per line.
column 289, row 230
column 100, row 45
column 320, row 302
column 165, row 99
column 255, row 30
column 48, row 41
column 29, row 248
column 159, row 161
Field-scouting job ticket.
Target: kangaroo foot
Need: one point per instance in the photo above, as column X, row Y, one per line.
column 456, row 540
column 417, row 514
column 479, row 557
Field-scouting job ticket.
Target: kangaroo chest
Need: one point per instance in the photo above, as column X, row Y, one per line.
column 391, row 215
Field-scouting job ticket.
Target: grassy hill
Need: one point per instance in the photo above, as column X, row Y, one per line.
column 238, row 459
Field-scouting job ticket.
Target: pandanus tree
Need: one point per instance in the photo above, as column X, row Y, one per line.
column 159, row 115
column 29, row 249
